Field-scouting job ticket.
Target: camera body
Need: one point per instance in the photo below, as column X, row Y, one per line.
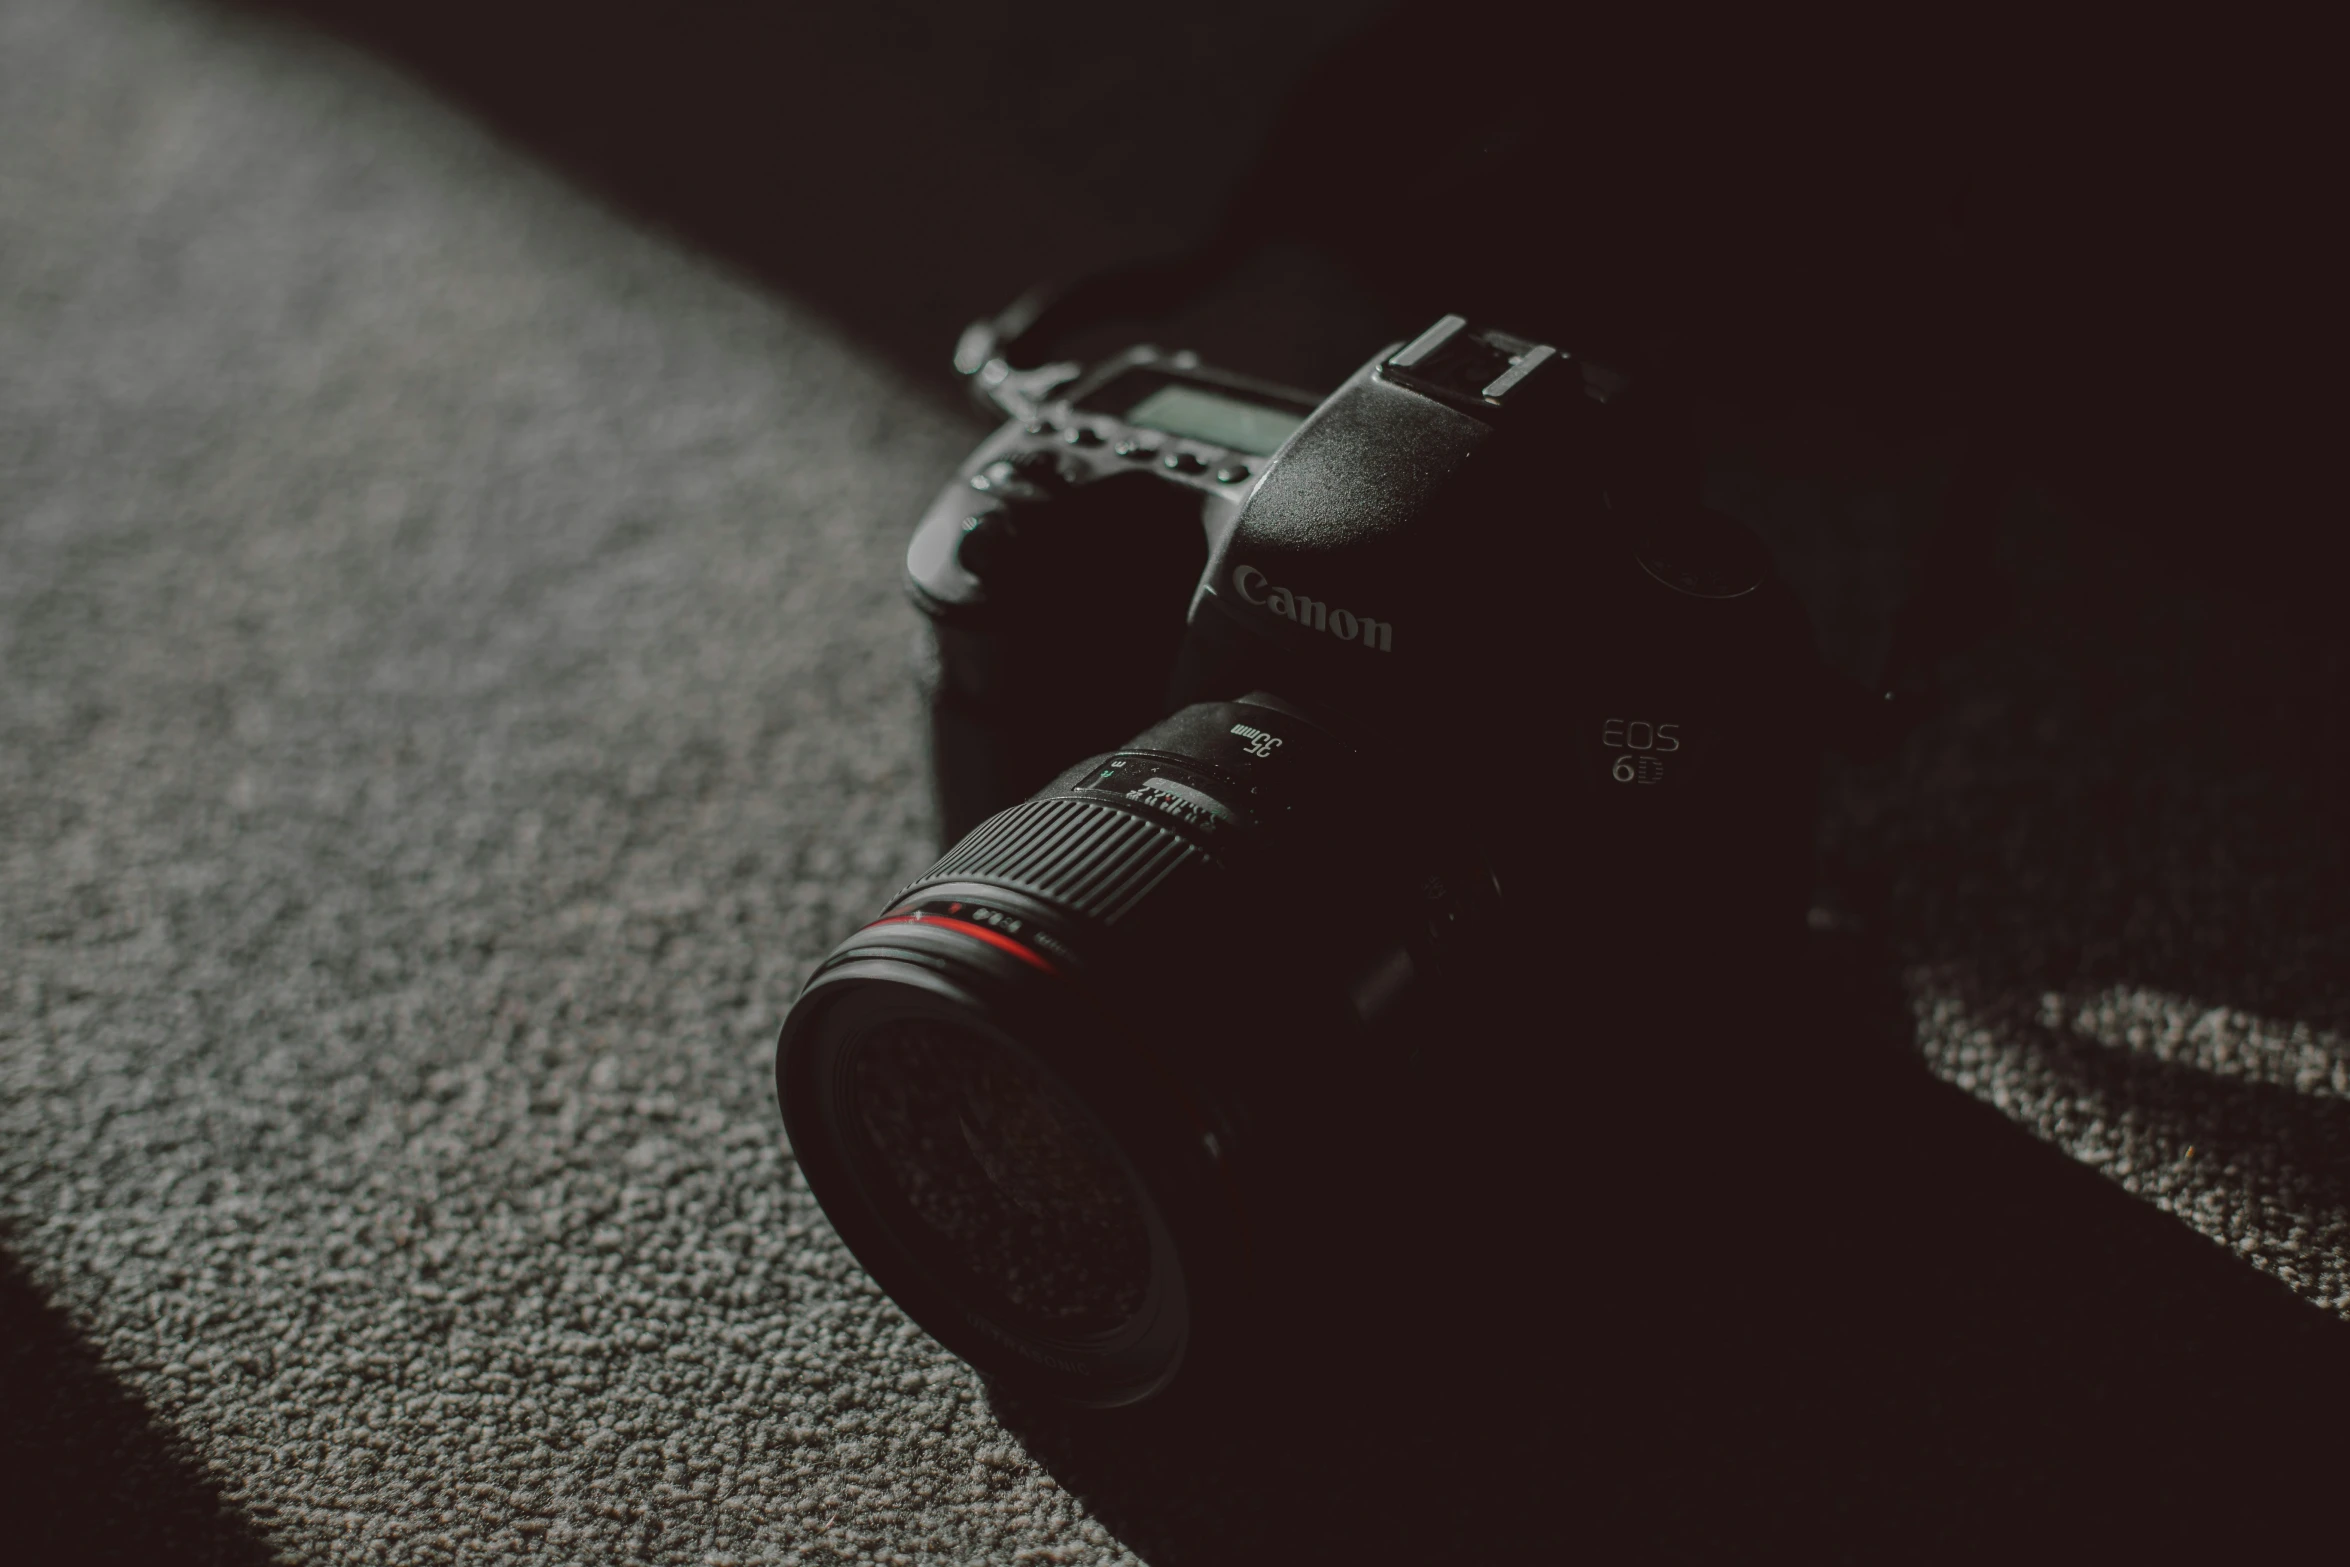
column 1475, row 779
column 1479, row 548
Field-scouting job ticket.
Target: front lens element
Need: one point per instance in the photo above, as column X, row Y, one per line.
column 1007, row 1180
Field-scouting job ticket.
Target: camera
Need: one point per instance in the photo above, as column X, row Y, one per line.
column 1325, row 779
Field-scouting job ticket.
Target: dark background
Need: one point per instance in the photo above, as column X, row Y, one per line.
column 2102, row 247
column 2087, row 259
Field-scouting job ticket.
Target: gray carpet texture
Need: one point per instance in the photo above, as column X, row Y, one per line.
column 453, row 684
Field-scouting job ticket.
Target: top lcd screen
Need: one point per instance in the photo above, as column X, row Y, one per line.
column 1177, row 409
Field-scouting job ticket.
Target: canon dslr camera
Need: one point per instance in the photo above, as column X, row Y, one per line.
column 1472, row 751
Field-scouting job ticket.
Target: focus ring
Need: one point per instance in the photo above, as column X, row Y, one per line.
column 1092, row 859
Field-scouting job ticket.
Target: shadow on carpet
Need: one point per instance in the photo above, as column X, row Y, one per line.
column 1891, row 1326
column 87, row 1472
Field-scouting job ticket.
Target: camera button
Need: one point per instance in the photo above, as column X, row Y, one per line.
column 1232, row 473
column 1039, row 464
column 1001, row 479
column 981, row 548
column 1030, row 476
column 1186, row 462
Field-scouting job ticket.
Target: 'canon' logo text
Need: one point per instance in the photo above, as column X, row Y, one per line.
column 1345, row 625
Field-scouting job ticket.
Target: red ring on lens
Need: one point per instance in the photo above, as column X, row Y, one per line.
column 995, row 939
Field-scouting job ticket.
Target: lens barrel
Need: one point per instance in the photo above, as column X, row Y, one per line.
column 1068, row 1096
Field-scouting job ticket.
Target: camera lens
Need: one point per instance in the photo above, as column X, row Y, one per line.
column 956, row 1105
column 1068, row 1096
column 1014, row 1183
